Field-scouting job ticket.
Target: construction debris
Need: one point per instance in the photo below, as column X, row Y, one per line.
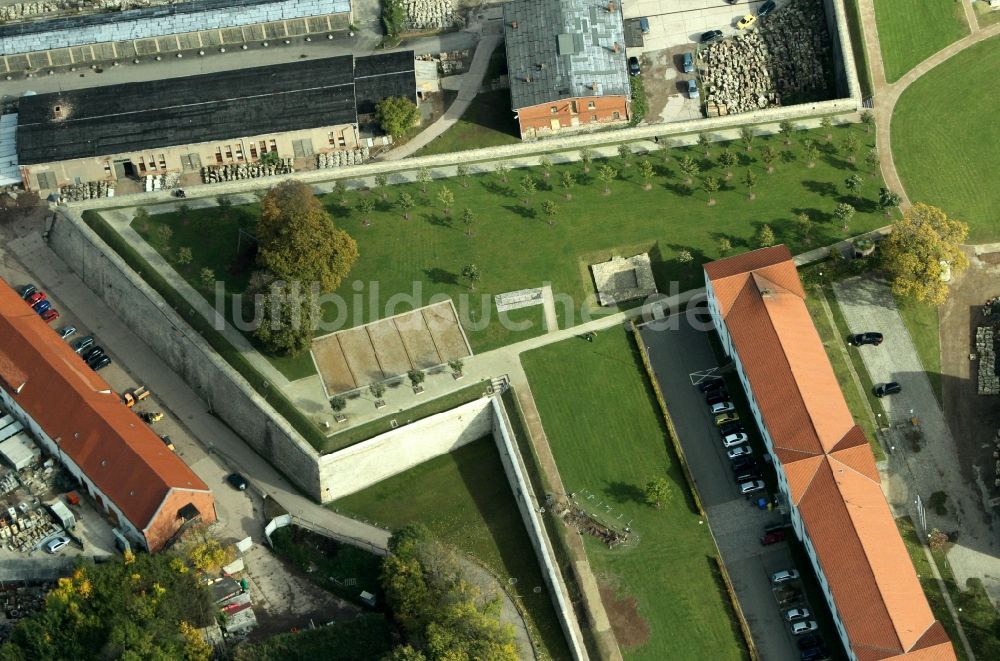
column 216, row 173
column 336, row 159
column 429, row 14
column 989, row 382
column 86, row 191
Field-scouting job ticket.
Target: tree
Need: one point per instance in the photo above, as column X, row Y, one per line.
column 658, row 491
column 937, row 540
column 606, row 173
column 165, row 232
column 297, row 240
column 872, row 160
column 711, row 186
column 377, row 389
column 528, row 188
column 868, row 119
column 462, row 172
column 196, row 648
column 690, row 168
column 765, row 236
column 502, row 171
column 472, row 274
column 381, row 181
column 705, row 142
column 747, row 137
column 685, row 256
column 416, row 377
column 366, row 206
column 804, row 226
column 767, row 156
column 586, row 156
column 851, row 143
column 728, row 159
column 827, row 125
column 405, row 203
column 207, row 277
column 204, row 552
column 567, row 181
column 446, row 198
column 396, row 115
column 468, row 219
column 625, row 154
column 786, row 128
column 913, row 253
column 290, row 314
column 725, row 245
column 456, row 365
column 854, row 184
column 646, row 173
column 338, row 403
column 546, row 164
column 844, row 212
column 811, row 152
column 393, row 17
column 887, row 199
column 338, row 188
column 424, row 178
column 750, row 180
column 184, row 256
column 550, row 209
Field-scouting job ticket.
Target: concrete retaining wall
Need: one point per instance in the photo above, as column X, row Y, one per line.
column 376, row 459
column 844, row 67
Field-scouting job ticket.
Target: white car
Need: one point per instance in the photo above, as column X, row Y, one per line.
column 784, row 576
column 56, row 544
column 796, row 614
column 732, row 440
column 800, row 628
column 740, row 451
column 722, row 407
column 752, row 486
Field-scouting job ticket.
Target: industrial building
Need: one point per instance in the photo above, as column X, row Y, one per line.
column 143, row 487
column 825, row 467
column 178, row 125
column 566, row 65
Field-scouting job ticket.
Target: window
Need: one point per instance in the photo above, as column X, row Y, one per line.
column 274, row 146
column 218, row 154
column 591, row 105
column 593, row 118
column 341, row 140
column 616, row 115
column 253, row 151
column 163, row 162
column 107, row 168
column 229, row 152
column 263, row 147
column 142, row 165
column 152, row 162
column 554, row 109
column 239, row 152
column 332, row 138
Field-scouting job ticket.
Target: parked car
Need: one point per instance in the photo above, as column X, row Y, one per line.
column 83, row 343
column 751, row 487
column 732, row 440
column 710, row 383
column 723, row 418
column 740, row 451
column 731, row 428
column 860, row 339
column 237, row 481
column 56, row 544
column 41, row 306
column 66, row 331
column 101, row 363
column 692, row 89
column 27, row 291
column 644, row 24
column 766, row 8
column 883, row 389
column 808, row 642
column 743, row 463
column 710, row 36
column 35, row 297
column 92, row 351
column 716, row 396
column 94, row 359
column 722, row 407
column 814, row 654
column 688, row 62
column 784, row 576
column 807, row 626
column 772, row 537
column 50, row 315
column 796, row 614
column 633, row 66
column 748, row 475
column 747, row 22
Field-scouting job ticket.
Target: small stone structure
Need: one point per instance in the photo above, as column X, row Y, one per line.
column 215, row 173
column 522, row 298
column 623, row 279
column 989, row 382
column 430, row 14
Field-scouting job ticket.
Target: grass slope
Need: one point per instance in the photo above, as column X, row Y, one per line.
column 910, row 31
column 607, row 437
column 922, row 322
column 487, row 122
column 515, row 248
column 465, row 500
column 946, row 152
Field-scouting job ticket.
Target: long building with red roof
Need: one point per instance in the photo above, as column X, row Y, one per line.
column 825, row 467
column 147, row 491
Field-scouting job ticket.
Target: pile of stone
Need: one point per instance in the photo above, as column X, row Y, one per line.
column 86, row 191
column 337, row 159
column 788, row 54
column 155, row 182
column 989, row 382
column 27, row 531
column 449, row 62
column 430, row 14
column 22, row 11
column 216, row 173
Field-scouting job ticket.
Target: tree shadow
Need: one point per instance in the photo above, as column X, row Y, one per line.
column 623, row 492
column 824, row 188
column 523, row 211
column 496, row 187
column 788, row 156
column 439, row 220
column 440, row 276
column 815, row 215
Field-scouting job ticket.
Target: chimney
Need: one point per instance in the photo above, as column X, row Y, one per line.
column 611, row 6
column 540, row 65
column 766, row 293
column 57, row 112
column 513, row 25
column 593, row 86
column 527, row 78
column 616, row 47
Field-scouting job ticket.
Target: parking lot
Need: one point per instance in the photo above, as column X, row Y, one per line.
column 680, row 356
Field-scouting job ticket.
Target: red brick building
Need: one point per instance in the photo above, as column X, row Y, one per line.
column 143, row 487
column 566, row 64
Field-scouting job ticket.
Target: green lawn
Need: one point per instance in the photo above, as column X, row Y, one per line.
column 515, row 248
column 985, row 15
column 367, row 638
column 323, row 559
column 922, row 322
column 910, row 31
column 608, row 438
column 488, row 122
column 946, row 151
column 465, row 500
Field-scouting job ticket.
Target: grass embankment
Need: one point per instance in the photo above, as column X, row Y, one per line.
column 910, row 31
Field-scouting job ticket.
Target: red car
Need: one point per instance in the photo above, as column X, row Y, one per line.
column 34, row 298
column 772, row 537
column 50, row 315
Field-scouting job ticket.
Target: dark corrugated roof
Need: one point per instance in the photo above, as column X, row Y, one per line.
column 380, row 76
column 564, row 46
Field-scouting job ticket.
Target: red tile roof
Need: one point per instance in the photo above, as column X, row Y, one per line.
column 831, row 473
column 79, row 410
